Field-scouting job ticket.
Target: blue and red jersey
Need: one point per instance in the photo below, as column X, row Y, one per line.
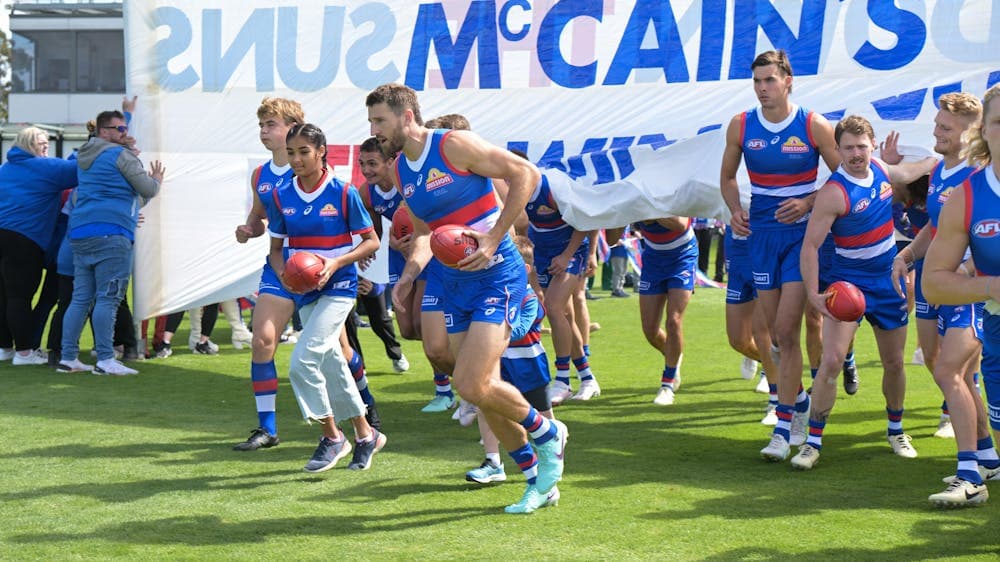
column 658, row 238
column 266, row 178
column 781, row 160
column 863, row 233
column 439, row 194
column 982, row 219
column 940, row 186
column 322, row 222
column 385, row 203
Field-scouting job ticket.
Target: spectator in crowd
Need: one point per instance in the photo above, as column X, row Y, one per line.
column 113, row 186
column 29, row 206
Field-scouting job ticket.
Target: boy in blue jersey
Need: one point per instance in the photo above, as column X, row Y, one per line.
column 781, row 144
column 275, row 305
column 444, row 177
column 856, row 205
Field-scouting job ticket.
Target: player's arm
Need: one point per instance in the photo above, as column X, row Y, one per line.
column 822, row 134
column 909, row 172
column 417, row 256
column 941, row 283
column 467, row 151
column 365, row 192
column 276, row 256
column 914, row 251
column 731, row 157
column 561, row 262
column 255, row 224
column 829, row 205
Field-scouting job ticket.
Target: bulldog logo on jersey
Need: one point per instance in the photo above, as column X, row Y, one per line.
column 756, row 144
column 328, row 210
column 794, row 145
column 436, row 178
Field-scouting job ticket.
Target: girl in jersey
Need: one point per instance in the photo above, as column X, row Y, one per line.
column 318, row 213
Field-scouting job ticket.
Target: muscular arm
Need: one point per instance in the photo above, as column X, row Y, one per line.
column 731, row 157
column 908, row 172
column 941, row 283
column 467, row 151
column 822, row 134
column 829, row 205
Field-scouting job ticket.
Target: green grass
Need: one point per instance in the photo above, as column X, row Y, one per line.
column 141, row 468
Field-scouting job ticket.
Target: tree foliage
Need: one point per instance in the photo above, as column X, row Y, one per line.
column 5, row 58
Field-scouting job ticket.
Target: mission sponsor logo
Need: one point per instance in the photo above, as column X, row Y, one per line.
column 885, row 191
column 328, row 210
column 794, row 145
column 436, row 178
column 945, row 194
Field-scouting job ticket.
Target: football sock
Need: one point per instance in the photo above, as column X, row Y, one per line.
column 528, row 462
column 442, row 385
column 265, row 389
column 895, row 421
column 583, row 369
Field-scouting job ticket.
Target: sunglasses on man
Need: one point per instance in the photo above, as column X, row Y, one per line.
column 119, row 128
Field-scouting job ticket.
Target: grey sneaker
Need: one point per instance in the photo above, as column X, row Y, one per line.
column 363, row 452
column 327, row 454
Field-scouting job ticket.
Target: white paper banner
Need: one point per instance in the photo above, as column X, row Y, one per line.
column 555, row 79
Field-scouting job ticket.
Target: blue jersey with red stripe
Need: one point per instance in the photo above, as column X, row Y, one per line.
column 385, row 203
column 658, row 238
column 940, row 186
column 547, row 229
column 863, row 233
column 982, row 219
column 439, row 194
column 269, row 177
column 781, row 160
column 322, row 222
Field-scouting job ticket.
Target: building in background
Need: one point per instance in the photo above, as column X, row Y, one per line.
column 67, row 65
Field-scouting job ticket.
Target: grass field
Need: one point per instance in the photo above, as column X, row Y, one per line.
column 141, row 468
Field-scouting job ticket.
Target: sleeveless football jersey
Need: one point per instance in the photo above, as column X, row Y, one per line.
column 864, row 233
column 982, row 219
column 269, row 178
column 941, row 184
column 439, row 194
column 322, row 222
column 781, row 160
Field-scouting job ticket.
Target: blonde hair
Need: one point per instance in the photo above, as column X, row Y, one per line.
column 27, row 140
column 453, row 121
column 977, row 152
column 289, row 111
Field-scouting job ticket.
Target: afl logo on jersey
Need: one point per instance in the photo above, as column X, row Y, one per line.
column 794, row 145
column 756, row 144
column 861, row 205
column 288, row 211
column 264, row 188
column 328, row 210
column 436, row 178
column 408, row 190
column 987, row 228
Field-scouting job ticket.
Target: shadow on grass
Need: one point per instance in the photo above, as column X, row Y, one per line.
column 212, row 530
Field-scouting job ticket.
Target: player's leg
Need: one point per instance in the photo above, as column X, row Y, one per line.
column 814, row 339
column 589, row 387
column 890, row 346
column 356, row 364
column 558, row 305
column 769, row 372
column 651, row 310
column 836, row 339
column 673, row 348
column 739, row 330
column 436, row 347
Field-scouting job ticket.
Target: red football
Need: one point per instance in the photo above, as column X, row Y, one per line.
column 450, row 246
column 402, row 223
column 302, row 271
column 846, row 301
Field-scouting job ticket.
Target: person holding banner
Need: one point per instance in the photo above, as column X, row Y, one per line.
column 669, row 263
column 319, row 372
column 561, row 255
column 855, row 205
column 483, row 293
column 781, row 144
column 970, row 219
column 275, row 304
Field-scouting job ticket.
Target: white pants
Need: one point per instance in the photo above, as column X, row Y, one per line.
column 319, row 373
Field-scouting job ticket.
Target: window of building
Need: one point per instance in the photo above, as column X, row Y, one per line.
column 68, row 61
